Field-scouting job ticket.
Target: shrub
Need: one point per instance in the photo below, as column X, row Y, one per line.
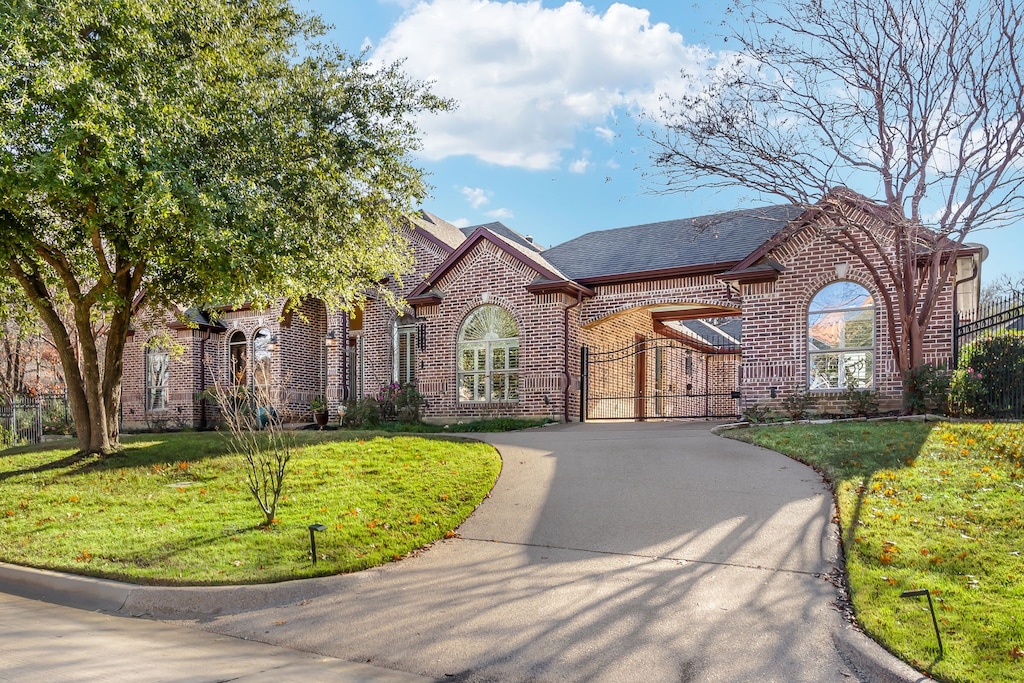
column 926, row 389
column 363, row 413
column 408, row 404
column 797, row 404
column 256, row 435
column 756, row 413
column 860, row 402
column 7, row 438
column 989, row 378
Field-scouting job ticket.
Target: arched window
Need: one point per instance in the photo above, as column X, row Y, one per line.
column 841, row 337
column 239, row 366
column 261, row 361
column 488, row 352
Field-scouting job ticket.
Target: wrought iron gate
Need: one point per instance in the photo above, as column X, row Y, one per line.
column 658, row 378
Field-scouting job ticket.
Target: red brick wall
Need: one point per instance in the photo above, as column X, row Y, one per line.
column 200, row 360
column 489, row 275
column 775, row 326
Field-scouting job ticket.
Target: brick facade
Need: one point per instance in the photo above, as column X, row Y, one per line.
column 322, row 353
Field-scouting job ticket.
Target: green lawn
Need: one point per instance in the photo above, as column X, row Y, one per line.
column 928, row 506
column 174, row 508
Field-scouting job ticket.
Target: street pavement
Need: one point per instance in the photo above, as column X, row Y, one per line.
column 53, row 643
column 609, row 552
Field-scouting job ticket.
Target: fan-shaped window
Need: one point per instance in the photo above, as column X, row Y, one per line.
column 488, row 352
column 261, row 361
column 841, row 337
column 239, row 366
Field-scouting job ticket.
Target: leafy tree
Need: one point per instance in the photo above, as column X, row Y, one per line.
column 196, row 151
column 917, row 102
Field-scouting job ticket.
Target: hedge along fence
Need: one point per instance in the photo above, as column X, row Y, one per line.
column 989, row 378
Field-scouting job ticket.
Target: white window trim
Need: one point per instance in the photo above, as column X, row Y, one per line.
column 842, row 352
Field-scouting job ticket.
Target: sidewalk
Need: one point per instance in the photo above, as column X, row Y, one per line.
column 46, row 642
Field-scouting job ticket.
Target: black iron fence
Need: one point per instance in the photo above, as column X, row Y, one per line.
column 988, row 320
column 988, row 349
column 27, row 418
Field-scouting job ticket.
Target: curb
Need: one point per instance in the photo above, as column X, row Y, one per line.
column 870, row 659
column 173, row 602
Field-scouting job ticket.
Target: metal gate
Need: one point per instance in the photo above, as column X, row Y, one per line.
column 658, row 378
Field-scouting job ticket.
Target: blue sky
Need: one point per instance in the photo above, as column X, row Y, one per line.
column 545, row 137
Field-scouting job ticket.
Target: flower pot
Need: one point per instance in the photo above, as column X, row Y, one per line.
column 321, row 418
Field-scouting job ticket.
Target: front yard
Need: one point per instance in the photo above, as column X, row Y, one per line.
column 929, row 506
column 174, row 508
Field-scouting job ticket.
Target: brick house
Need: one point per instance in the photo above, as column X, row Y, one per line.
column 698, row 317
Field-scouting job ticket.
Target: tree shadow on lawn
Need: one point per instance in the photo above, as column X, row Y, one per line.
column 868, row 450
column 142, row 451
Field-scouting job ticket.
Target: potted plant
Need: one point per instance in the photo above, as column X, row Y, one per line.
column 319, row 408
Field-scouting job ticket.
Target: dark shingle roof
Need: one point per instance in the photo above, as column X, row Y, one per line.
column 439, row 228
column 508, row 233
column 720, row 334
column 719, row 238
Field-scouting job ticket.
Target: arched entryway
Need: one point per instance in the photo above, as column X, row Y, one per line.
column 661, row 361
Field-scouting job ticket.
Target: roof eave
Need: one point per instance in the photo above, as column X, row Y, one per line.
column 658, row 274
column 559, row 287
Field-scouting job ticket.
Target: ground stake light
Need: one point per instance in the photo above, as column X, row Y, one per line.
column 313, row 528
column 924, row 591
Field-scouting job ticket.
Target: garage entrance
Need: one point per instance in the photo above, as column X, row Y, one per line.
column 656, row 377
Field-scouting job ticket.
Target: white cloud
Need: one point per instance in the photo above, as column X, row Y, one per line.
column 500, row 214
column 528, row 77
column 461, row 222
column 476, row 196
column 579, row 166
column 606, row 134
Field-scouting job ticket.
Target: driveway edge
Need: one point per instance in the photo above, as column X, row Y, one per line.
column 174, row 602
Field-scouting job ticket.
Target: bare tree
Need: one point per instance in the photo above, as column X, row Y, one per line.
column 1002, row 288
column 918, row 103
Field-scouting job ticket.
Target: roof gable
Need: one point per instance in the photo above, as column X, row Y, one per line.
column 549, row 278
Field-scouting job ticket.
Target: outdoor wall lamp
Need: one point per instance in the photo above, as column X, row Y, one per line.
column 332, row 339
column 924, row 591
column 313, row 528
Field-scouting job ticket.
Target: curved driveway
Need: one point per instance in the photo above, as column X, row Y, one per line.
column 611, row 552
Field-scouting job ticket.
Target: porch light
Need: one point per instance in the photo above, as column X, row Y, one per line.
column 272, row 343
column 332, row 339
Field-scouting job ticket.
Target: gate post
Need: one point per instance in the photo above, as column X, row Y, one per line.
column 584, row 369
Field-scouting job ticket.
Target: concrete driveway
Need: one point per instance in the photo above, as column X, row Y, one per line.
column 608, row 552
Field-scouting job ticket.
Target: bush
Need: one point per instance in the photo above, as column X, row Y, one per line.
column 363, row 413
column 860, row 402
column 926, row 389
column 797, row 404
column 408, row 404
column 989, row 378
column 756, row 413
column 8, row 438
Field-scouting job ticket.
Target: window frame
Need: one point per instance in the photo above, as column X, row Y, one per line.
column 238, row 362
column 482, row 384
column 151, row 391
column 262, row 362
column 842, row 352
column 404, row 367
